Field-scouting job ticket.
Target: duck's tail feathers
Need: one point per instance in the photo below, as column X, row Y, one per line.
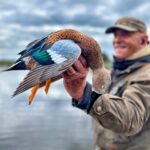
column 20, row 65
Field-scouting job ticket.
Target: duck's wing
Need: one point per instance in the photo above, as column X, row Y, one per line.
column 53, row 62
column 26, row 61
column 32, row 47
column 41, row 74
column 31, row 44
column 21, row 64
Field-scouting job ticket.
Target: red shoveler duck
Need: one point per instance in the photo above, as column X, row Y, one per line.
column 47, row 58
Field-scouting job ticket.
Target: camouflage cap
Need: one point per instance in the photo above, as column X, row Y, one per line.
column 128, row 24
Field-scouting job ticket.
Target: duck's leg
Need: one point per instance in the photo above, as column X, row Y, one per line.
column 50, row 81
column 47, row 85
column 33, row 92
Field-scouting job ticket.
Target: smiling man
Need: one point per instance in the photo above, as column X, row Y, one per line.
column 121, row 116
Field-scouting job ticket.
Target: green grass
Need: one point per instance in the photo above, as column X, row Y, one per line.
column 108, row 64
column 6, row 63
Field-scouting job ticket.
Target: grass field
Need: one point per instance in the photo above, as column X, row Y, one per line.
column 6, row 63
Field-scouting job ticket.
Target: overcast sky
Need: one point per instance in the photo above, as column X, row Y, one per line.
column 24, row 20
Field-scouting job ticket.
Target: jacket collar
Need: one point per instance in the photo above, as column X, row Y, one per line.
column 143, row 52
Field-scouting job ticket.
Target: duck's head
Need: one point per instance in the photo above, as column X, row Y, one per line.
column 101, row 80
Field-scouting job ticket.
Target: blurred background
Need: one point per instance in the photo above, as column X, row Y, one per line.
column 51, row 122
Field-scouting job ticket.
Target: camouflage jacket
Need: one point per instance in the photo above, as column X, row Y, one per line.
column 121, row 117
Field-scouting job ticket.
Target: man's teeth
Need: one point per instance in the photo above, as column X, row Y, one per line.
column 120, row 46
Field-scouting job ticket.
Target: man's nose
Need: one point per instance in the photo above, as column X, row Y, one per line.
column 117, row 39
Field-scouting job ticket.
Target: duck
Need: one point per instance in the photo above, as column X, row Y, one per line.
column 48, row 57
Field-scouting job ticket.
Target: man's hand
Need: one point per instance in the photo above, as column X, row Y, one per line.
column 75, row 78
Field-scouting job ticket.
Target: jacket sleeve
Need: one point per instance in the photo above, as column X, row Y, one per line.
column 85, row 100
column 126, row 114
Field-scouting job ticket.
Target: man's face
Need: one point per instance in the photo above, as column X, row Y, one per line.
column 126, row 43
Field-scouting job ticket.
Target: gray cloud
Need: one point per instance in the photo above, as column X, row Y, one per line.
column 128, row 5
column 57, row 12
column 18, row 20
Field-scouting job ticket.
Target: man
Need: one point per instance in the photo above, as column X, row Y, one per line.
column 121, row 116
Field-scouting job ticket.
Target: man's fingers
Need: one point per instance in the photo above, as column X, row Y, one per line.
column 83, row 61
column 78, row 69
column 71, row 71
column 79, row 66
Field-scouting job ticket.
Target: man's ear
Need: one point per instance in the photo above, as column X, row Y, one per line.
column 142, row 41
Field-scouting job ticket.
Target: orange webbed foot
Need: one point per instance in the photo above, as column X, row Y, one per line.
column 33, row 92
column 47, row 85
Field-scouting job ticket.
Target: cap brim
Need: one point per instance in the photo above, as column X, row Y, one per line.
column 123, row 27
